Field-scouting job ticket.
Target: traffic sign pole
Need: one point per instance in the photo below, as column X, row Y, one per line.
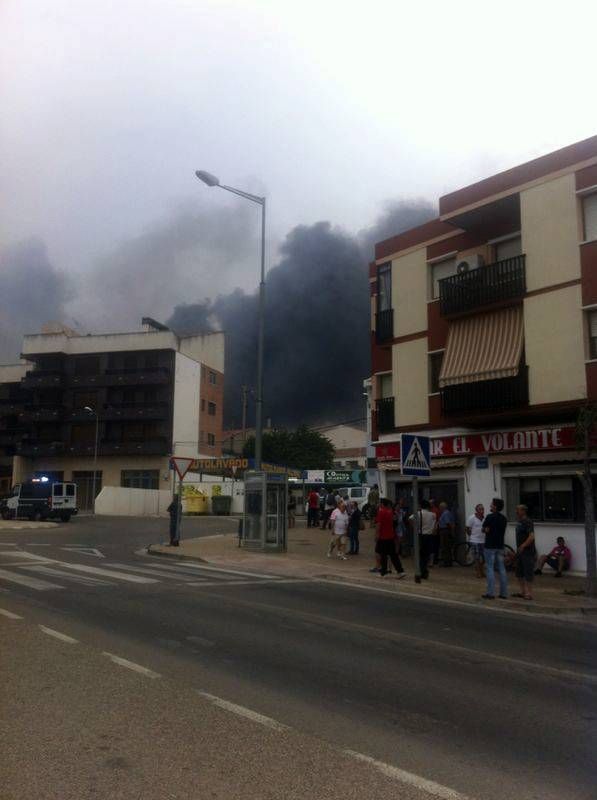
column 416, row 529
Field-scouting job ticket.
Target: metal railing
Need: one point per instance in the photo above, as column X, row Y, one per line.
column 481, row 397
column 494, row 283
column 384, row 325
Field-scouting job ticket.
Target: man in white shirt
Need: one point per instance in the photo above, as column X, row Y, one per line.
column 476, row 537
column 339, row 522
column 426, row 528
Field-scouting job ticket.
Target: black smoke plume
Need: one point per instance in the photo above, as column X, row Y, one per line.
column 33, row 292
column 317, row 350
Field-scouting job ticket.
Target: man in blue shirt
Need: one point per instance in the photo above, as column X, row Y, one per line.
column 446, row 526
column 494, row 526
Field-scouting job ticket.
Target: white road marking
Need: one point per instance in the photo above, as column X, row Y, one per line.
column 107, row 573
column 123, row 662
column 431, row 787
column 24, row 556
column 27, row 580
column 200, row 640
column 8, row 544
column 9, row 614
column 183, row 575
column 60, row 573
column 86, row 551
column 232, row 573
column 57, row 635
column 242, row 711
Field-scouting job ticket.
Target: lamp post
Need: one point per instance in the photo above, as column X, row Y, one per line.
column 211, row 180
column 92, row 411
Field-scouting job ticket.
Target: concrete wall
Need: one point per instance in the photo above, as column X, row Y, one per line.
column 102, row 343
column 554, row 346
column 550, row 232
column 185, row 432
column 346, row 436
column 12, row 373
column 409, row 292
column 208, row 348
column 410, row 378
column 116, row 501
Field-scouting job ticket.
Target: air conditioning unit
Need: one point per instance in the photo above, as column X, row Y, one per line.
column 469, row 262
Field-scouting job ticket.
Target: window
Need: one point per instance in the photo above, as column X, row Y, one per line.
column 440, row 270
column 212, row 378
column 435, row 365
column 83, row 399
column 140, row 478
column 589, row 207
column 211, row 409
column 151, row 360
column 83, row 434
column 509, row 248
column 550, row 499
column 130, row 363
column 203, row 405
column 592, row 320
column 384, row 287
column 211, row 440
column 385, row 386
column 87, row 365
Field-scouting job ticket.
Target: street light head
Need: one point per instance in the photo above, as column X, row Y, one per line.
column 88, row 408
column 207, row 178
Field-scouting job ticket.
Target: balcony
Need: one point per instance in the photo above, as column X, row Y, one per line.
column 10, row 407
column 34, row 448
column 485, row 286
column 385, row 414
column 47, row 414
column 482, row 397
column 384, row 325
column 129, row 411
column 148, row 447
column 43, row 378
column 151, row 376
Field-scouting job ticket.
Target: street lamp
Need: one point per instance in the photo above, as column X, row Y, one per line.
column 211, row 180
column 92, row 411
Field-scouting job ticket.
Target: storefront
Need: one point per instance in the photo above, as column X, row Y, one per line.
column 535, row 466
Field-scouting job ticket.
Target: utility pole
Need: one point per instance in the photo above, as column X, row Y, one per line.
column 245, row 403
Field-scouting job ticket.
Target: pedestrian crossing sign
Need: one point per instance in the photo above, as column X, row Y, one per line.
column 414, row 455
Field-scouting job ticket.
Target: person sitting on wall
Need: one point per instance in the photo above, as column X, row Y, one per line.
column 559, row 558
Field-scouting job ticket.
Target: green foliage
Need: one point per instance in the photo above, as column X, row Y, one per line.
column 303, row 448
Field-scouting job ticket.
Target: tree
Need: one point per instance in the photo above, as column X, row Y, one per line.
column 303, row 448
column 586, row 426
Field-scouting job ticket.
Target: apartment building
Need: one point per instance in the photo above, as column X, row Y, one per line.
column 484, row 337
column 150, row 393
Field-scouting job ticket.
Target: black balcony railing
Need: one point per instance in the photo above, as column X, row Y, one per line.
column 495, row 283
column 33, row 448
column 384, row 325
column 43, row 378
column 385, row 414
column 482, row 397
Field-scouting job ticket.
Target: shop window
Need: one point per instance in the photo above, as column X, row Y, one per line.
column 211, row 409
column 592, row 326
column 140, row 478
column 435, row 365
column 549, row 499
column 440, row 270
column 558, row 498
column 589, row 207
column 530, row 496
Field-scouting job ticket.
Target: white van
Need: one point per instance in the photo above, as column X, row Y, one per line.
column 358, row 494
column 40, row 499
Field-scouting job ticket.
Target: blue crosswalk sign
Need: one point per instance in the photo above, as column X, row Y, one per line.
column 414, row 455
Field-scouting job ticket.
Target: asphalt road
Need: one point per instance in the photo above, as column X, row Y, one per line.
column 244, row 685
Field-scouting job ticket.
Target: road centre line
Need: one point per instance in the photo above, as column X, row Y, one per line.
column 418, row 782
column 383, row 633
column 9, row 614
column 57, row 635
column 123, row 662
column 242, row 711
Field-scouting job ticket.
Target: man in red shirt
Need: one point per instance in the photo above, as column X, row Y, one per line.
column 313, row 509
column 385, row 544
column 559, row 558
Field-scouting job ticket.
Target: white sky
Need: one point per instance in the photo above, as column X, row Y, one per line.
column 329, row 107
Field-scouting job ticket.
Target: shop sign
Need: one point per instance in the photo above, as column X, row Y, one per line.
column 490, row 443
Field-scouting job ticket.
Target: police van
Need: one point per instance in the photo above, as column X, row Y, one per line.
column 40, row 499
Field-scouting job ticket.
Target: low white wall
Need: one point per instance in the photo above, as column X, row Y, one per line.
column 118, row 501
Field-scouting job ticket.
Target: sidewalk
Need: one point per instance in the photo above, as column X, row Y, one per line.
column 306, row 558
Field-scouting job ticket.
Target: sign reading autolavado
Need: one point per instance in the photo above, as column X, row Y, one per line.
column 562, row 438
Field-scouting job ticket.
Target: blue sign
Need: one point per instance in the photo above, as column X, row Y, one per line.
column 482, row 462
column 414, row 455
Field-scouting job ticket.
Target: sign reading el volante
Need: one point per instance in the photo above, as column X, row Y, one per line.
column 487, row 443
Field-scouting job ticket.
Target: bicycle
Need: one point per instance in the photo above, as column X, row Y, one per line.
column 464, row 555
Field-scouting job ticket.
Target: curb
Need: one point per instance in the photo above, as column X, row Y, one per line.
column 404, row 589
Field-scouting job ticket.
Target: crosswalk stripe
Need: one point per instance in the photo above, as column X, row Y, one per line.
column 225, row 572
column 28, row 580
column 107, row 573
column 60, row 573
column 145, row 571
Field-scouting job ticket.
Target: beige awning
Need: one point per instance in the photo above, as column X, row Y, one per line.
column 483, row 347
